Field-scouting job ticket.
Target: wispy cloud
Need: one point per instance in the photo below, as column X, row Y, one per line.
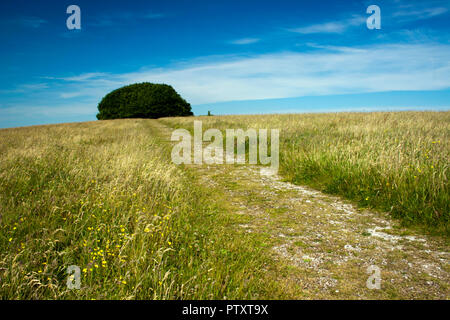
column 24, row 22
column 335, row 48
column 332, row 70
column 413, row 13
column 399, row 13
column 108, row 20
column 32, row 22
column 331, row 27
column 34, row 86
column 82, row 77
column 27, row 87
column 244, row 41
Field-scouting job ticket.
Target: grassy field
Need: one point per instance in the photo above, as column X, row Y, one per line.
column 394, row 162
column 105, row 196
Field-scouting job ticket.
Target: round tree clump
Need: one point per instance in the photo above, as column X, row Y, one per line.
column 143, row 100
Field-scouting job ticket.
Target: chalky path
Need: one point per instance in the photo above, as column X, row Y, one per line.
column 323, row 245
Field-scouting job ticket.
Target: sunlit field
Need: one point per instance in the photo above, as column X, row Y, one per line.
column 396, row 162
column 105, row 196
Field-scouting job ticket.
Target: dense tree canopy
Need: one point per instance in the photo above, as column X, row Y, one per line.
column 143, row 100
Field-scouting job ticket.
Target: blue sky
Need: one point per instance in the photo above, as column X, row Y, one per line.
column 225, row 56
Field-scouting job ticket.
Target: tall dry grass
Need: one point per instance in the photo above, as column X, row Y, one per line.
column 393, row 161
column 105, row 196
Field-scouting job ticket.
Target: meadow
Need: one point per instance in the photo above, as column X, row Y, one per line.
column 105, row 196
column 394, row 161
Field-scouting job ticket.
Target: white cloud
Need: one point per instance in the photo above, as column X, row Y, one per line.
column 245, row 41
column 420, row 14
column 85, row 76
column 406, row 12
column 331, row 27
column 27, row 87
column 290, row 74
column 334, row 48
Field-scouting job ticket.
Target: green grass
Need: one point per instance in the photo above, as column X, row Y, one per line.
column 396, row 162
column 105, row 196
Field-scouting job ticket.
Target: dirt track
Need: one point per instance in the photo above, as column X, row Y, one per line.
column 324, row 244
